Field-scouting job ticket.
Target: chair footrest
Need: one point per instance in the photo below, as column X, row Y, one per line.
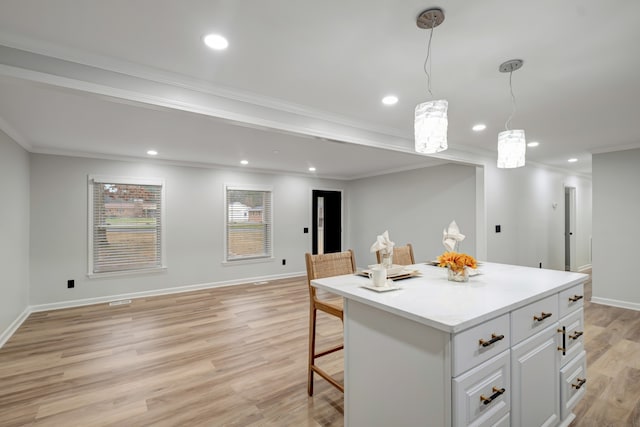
column 328, row 351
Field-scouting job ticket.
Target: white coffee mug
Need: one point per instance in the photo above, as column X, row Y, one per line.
column 378, row 276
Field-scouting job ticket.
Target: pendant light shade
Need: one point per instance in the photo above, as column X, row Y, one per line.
column 511, row 149
column 511, row 143
column 431, row 125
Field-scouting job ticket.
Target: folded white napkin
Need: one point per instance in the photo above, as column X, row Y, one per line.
column 382, row 243
column 451, row 237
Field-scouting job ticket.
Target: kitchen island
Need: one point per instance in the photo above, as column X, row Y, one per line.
column 506, row 348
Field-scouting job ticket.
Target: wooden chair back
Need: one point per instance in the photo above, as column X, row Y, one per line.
column 328, row 265
column 402, row 255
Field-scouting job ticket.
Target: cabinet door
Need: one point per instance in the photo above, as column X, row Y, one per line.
column 535, row 399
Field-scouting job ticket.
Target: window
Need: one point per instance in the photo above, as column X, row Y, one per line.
column 248, row 223
column 125, row 224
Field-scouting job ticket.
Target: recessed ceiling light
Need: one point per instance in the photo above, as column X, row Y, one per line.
column 244, row 162
column 479, row 127
column 390, row 100
column 152, row 152
column 572, row 160
column 312, row 169
column 533, row 144
column 216, row 42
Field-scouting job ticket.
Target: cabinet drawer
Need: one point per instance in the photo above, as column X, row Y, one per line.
column 502, row 422
column 480, row 343
column 571, row 330
column 571, row 299
column 482, row 396
column 573, row 379
column 533, row 318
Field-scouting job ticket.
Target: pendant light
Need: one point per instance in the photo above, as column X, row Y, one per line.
column 430, row 117
column 511, row 143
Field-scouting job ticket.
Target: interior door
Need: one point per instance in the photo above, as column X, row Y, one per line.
column 569, row 227
column 327, row 221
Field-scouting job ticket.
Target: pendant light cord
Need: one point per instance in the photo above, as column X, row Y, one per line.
column 428, row 71
column 513, row 103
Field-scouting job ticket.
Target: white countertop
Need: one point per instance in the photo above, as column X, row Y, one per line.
column 432, row 300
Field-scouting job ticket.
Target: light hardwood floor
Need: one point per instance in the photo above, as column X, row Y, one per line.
column 233, row 356
column 612, row 342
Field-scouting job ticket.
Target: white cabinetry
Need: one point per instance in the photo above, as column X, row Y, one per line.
column 528, row 364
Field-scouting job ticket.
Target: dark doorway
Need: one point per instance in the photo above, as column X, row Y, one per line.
column 327, row 221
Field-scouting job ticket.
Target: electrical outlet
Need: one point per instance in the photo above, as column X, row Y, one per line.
column 284, row 262
column 305, row 230
column 71, row 283
column 498, row 228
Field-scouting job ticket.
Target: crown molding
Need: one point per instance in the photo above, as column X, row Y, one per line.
column 616, row 148
column 120, row 81
column 156, row 75
column 47, row 70
column 15, row 135
column 201, row 165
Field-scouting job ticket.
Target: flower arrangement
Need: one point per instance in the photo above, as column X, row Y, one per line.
column 456, row 261
column 457, row 264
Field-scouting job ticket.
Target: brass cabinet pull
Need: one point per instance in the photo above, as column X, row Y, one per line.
column 581, row 382
column 576, row 335
column 496, row 393
column 542, row 316
column 494, row 338
column 575, row 298
column 562, row 349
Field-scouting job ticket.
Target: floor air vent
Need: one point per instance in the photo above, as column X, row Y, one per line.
column 121, row 302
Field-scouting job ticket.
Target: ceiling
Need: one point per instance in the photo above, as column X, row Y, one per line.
column 301, row 82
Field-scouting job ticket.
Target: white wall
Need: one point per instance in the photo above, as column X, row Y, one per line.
column 519, row 200
column 194, row 227
column 616, row 228
column 532, row 231
column 14, row 232
column 414, row 206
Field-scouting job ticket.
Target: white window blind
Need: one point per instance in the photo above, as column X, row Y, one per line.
column 248, row 223
column 125, row 224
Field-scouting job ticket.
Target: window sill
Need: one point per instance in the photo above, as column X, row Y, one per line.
column 127, row 273
column 247, row 261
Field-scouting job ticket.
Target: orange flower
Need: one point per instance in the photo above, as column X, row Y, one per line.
column 457, row 261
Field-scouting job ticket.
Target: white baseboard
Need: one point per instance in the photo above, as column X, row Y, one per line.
column 157, row 292
column 616, row 303
column 13, row 327
column 584, row 268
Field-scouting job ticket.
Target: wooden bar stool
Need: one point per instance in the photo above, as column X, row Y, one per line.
column 319, row 266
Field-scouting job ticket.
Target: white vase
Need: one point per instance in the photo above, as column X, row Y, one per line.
column 386, row 259
column 458, row 276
